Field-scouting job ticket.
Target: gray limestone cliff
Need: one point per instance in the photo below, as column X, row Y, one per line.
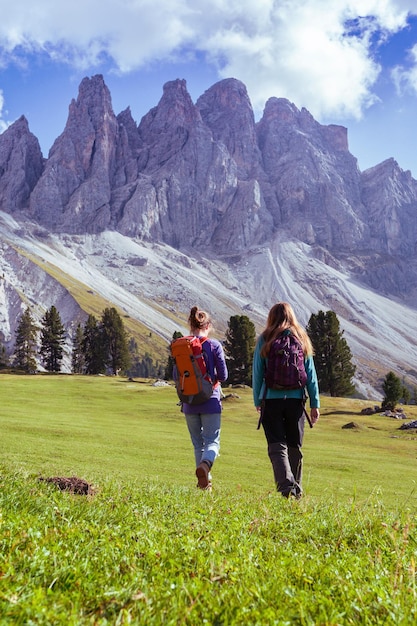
column 21, row 166
column 206, row 176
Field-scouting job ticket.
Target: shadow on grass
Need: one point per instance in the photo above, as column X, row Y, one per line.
column 340, row 413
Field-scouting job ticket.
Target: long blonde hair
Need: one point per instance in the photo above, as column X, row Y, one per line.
column 198, row 320
column 282, row 317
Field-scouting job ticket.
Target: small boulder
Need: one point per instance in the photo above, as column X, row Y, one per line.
column 409, row 425
column 352, row 425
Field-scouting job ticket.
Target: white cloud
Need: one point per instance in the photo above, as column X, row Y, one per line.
column 300, row 49
column 307, row 53
column 405, row 78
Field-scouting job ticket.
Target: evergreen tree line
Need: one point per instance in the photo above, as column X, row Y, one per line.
column 100, row 346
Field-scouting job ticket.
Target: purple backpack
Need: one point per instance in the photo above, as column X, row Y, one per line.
column 285, row 364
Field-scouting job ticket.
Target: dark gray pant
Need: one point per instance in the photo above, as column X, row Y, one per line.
column 283, row 424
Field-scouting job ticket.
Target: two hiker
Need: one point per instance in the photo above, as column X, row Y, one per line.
column 283, row 370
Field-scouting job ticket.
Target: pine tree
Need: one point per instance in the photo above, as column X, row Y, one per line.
column 406, row 395
column 134, row 358
column 52, row 340
column 143, row 367
column 239, row 348
column 114, row 340
column 92, row 347
column 332, row 355
column 4, row 359
column 393, row 390
column 25, row 344
column 77, row 357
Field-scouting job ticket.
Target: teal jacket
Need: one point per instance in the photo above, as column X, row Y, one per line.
column 258, row 383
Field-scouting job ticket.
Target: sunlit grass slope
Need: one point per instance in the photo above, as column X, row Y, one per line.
column 103, row 427
column 149, row 548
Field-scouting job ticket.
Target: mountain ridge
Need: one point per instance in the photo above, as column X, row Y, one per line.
column 273, row 210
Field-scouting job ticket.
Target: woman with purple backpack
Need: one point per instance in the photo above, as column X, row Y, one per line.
column 283, row 372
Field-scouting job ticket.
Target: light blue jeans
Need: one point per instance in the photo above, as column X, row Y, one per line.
column 204, row 429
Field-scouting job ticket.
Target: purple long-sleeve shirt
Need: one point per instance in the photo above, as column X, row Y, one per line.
column 217, row 368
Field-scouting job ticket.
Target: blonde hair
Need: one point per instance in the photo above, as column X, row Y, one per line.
column 198, row 320
column 282, row 317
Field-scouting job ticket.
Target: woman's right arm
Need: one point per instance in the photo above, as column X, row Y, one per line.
column 312, row 383
column 258, row 368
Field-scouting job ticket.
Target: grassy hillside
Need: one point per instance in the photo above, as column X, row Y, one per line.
column 94, row 304
column 149, row 548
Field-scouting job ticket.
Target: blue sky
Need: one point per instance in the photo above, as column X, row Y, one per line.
column 350, row 62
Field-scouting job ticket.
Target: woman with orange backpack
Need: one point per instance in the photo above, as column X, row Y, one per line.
column 204, row 418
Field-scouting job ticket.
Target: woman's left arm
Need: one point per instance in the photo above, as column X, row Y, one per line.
column 220, row 362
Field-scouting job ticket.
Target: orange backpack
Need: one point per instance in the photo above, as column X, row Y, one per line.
column 193, row 383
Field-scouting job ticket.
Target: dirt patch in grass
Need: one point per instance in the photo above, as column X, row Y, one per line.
column 72, row 484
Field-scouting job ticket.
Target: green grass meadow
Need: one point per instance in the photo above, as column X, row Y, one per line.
column 149, row 548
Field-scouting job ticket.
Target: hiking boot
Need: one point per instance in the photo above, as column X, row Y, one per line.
column 208, row 488
column 202, row 472
column 294, row 492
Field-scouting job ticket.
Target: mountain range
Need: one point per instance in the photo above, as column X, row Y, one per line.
column 201, row 204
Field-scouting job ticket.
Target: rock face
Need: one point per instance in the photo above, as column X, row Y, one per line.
column 74, row 192
column 314, row 180
column 206, row 175
column 21, row 166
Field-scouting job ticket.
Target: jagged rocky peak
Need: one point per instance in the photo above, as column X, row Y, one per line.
column 314, row 179
column 176, row 103
column 17, row 130
column 74, row 191
column 91, row 116
column 281, row 112
column 389, row 168
column 390, row 195
column 201, row 174
column 388, row 184
column 227, row 97
column 21, row 165
column 280, row 109
column 175, row 109
column 93, row 102
column 88, row 114
column 226, row 109
column 91, row 125
column 126, row 121
column 166, row 129
column 129, row 154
